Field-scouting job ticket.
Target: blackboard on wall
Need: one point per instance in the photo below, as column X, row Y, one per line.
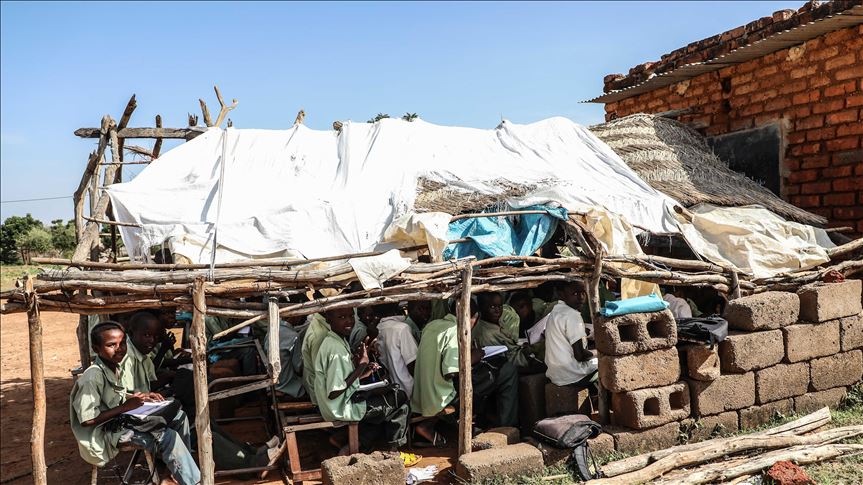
column 756, row 153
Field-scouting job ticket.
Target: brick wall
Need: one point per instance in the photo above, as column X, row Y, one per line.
column 815, row 90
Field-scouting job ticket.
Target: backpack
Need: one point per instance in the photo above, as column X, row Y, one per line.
column 710, row 330
column 572, row 431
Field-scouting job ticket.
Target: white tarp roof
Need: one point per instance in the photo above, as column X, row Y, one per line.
column 321, row 193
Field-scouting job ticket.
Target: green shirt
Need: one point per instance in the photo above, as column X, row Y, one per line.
column 97, row 390
column 415, row 329
column 541, row 308
column 506, row 333
column 315, row 333
column 138, row 369
column 437, row 356
column 333, row 365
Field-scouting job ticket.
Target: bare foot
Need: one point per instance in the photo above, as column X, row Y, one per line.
column 168, row 481
column 426, row 430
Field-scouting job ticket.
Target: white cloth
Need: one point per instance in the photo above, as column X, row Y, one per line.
column 373, row 271
column 398, row 349
column 679, row 306
column 564, row 328
column 536, row 333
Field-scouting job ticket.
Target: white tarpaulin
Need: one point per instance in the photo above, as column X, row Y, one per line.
column 320, row 193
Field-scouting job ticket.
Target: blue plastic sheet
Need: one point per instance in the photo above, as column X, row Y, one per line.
column 499, row 236
column 641, row 304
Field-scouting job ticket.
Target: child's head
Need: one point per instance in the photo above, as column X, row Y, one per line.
column 145, row 330
column 341, row 320
column 420, row 312
column 368, row 315
column 109, row 341
column 490, row 306
column 522, row 303
column 573, row 294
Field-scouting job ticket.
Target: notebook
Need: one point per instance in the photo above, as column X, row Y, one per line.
column 373, row 385
column 148, row 408
column 492, row 350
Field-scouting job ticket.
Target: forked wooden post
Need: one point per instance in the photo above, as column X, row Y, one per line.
column 465, row 391
column 199, row 362
column 37, row 379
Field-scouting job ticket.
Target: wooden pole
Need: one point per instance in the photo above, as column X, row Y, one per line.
column 465, row 392
column 37, row 379
column 273, row 356
column 199, row 363
column 83, row 334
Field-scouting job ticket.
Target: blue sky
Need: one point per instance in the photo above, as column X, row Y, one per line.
column 64, row 65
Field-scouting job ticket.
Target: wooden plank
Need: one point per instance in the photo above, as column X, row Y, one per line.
column 37, row 379
column 181, row 133
column 236, row 391
column 465, row 393
column 274, row 365
column 199, row 361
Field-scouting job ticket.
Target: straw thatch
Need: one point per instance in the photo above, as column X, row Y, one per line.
column 676, row 160
column 435, row 196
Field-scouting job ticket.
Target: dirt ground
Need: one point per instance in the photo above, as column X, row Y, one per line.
column 61, row 355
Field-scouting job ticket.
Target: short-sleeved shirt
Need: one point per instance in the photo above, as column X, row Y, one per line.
column 315, row 333
column 437, row 357
column 504, row 333
column 398, row 349
column 333, row 364
column 97, row 390
column 138, row 369
column 563, row 328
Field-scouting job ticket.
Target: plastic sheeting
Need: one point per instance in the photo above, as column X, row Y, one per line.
column 503, row 236
column 321, row 193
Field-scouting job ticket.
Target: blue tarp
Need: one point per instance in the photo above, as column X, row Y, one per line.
column 503, row 236
column 641, row 304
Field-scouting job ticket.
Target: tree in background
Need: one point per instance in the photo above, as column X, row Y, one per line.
column 63, row 236
column 378, row 117
column 35, row 240
column 11, row 229
column 410, row 116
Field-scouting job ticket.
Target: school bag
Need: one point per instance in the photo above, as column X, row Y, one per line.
column 709, row 330
column 158, row 420
column 572, row 431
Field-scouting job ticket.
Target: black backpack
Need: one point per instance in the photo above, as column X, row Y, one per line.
column 709, row 330
column 572, row 431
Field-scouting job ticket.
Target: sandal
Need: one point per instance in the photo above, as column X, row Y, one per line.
column 418, row 441
column 409, row 459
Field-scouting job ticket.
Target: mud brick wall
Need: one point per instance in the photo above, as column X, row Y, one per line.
column 814, row 91
column 786, row 353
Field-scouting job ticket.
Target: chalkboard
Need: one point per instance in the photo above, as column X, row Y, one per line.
column 754, row 152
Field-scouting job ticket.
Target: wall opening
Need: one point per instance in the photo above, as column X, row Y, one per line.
column 757, row 153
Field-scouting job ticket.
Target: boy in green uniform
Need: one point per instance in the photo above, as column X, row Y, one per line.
column 337, row 375
column 436, row 378
column 315, row 333
column 139, row 372
column 499, row 325
column 98, row 396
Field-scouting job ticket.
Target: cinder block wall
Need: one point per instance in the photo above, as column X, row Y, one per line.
column 785, row 353
column 815, row 91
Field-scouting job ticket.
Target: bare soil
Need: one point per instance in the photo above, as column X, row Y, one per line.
column 60, row 349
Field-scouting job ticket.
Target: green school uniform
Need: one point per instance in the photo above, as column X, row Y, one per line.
column 315, row 333
column 437, row 356
column 440, row 309
column 333, row 365
column 486, row 333
column 97, row 390
column 541, row 308
column 138, row 369
column 415, row 329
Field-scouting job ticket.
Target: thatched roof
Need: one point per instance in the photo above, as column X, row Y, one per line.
column 676, row 160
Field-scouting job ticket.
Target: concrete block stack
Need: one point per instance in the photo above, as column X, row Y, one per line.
column 785, row 353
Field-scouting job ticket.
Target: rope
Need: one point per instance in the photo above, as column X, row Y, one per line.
column 211, row 271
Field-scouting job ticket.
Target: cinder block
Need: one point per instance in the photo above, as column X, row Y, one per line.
column 843, row 369
column 755, row 416
column 372, row 469
column 563, row 400
column 809, row 340
column 496, row 438
column 851, row 332
column 509, row 461
column 708, row 427
column 601, row 445
column 814, row 401
column 746, row 351
column 702, row 362
column 764, row 311
column 531, row 401
column 648, row 408
column 637, row 371
column 727, row 393
column 636, row 332
column 820, row 302
column 633, row 441
column 781, row 381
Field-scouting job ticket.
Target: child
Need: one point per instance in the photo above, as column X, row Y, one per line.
column 566, row 355
column 99, row 396
column 337, row 374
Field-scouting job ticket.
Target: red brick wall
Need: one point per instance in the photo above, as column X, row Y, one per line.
column 815, row 90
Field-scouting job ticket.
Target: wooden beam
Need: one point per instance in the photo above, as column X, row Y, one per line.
column 111, row 223
column 37, row 379
column 182, row 133
column 157, row 146
column 91, row 169
column 199, row 363
column 465, row 391
column 273, row 356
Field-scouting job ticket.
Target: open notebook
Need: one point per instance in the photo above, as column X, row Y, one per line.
column 148, row 408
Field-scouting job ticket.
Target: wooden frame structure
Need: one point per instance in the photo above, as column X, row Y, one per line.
column 96, row 283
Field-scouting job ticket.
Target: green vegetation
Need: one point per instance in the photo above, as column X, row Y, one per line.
column 22, row 237
column 11, row 272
